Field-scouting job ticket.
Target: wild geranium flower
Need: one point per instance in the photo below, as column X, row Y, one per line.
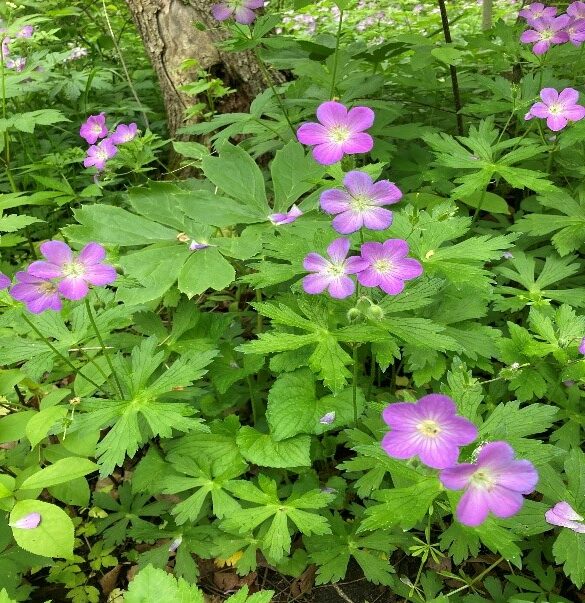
column 359, row 205
column 537, row 10
column 38, row 294
column 18, row 64
column 387, row 266
column 285, row 218
column 76, row 272
column 557, row 108
column 429, row 429
column 576, row 10
column 124, row 133
column 327, row 418
column 545, row 32
column 576, row 31
column 339, row 132
column 496, row 483
column 5, row 48
column 26, row 32
column 197, row 245
column 241, row 10
column 562, row 514
column 332, row 274
column 98, row 154
column 28, row 522
column 94, row 128
column 77, row 53
column 4, row 281
column 582, row 346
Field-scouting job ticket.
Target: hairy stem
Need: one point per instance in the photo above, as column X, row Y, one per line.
column 336, row 56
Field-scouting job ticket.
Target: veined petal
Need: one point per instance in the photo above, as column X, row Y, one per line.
column 328, row 153
column 359, row 142
column 503, row 502
column 341, row 287
column 568, row 97
column 407, row 268
column 496, row 456
column 400, row 444
column 348, row 222
column 315, row 262
column 358, row 183
column 312, row 133
column 334, row 201
column 530, row 36
column 438, row 452
column 437, row 407
column 385, row 192
column 222, row 11
column 462, row 430
column 539, row 110
column 57, row 252
column 457, row 477
column 73, row 288
column 338, row 249
column 369, row 277
column 549, row 96
column 520, row 476
column 100, row 274
column 360, row 119
column 391, row 284
column 473, row 508
column 556, row 122
column 315, row 283
column 372, row 251
column 45, row 270
column 355, row 265
column 377, row 218
column 244, row 15
column 574, row 113
column 331, row 113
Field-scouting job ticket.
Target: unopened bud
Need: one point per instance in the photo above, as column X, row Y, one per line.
column 375, row 313
column 353, row 314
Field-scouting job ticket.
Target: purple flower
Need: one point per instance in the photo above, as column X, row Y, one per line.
column 582, row 346
column 562, row 514
column 18, row 64
column 5, row 48
column 28, row 522
column 327, row 418
column 387, row 266
column 94, row 128
column 241, row 10
column 340, row 132
column 496, row 483
column 557, row 108
column 4, row 281
column 124, row 133
column 536, row 11
column 38, row 294
column 26, row 32
column 290, row 216
column 545, row 32
column 196, row 245
column 576, row 10
column 76, row 272
column 359, row 205
column 429, row 429
column 576, row 31
column 98, row 155
column 332, row 274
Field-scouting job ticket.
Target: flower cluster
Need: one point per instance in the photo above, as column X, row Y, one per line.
column 242, row 11
column 547, row 29
column 17, row 63
column 432, row 430
column 62, row 274
column 558, row 108
column 94, row 129
column 358, row 205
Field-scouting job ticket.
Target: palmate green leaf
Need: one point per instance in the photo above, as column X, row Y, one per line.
column 330, row 361
column 508, row 420
column 461, row 542
column 152, row 582
column 420, row 332
column 575, row 470
column 268, row 343
column 569, row 549
column 205, row 269
column 263, row 450
column 404, row 507
column 12, row 223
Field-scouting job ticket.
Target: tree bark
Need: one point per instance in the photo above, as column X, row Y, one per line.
column 170, row 37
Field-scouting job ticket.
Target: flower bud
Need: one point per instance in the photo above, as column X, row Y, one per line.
column 375, row 313
column 353, row 314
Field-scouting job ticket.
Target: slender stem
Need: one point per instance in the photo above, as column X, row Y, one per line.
column 124, row 68
column 549, row 162
column 270, row 82
column 477, row 578
column 452, row 68
column 58, row 353
column 105, row 351
column 478, row 208
column 336, row 56
column 486, row 15
column 252, row 400
column 354, row 383
column 259, row 317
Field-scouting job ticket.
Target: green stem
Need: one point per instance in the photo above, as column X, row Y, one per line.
column 478, row 208
column 58, row 353
column 277, row 96
column 477, row 578
column 549, row 162
column 354, row 383
column 104, row 350
column 336, row 56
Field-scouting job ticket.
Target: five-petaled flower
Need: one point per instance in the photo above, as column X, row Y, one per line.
column 545, row 32
column 359, row 205
column 562, row 514
column 387, row 266
column 76, row 272
column 536, row 10
column 339, row 132
column 94, row 128
column 327, row 418
column 576, row 31
column 557, row 108
column 576, row 10
column 38, row 294
column 124, row 133
column 28, row 522
column 241, row 10
column 98, row 155
column 285, row 218
column 496, row 483
column 332, row 274
column 429, row 429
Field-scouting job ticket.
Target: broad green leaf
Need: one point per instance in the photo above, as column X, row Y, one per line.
column 13, row 426
column 569, row 549
column 53, row 537
column 205, row 269
column 41, row 424
column 263, row 450
column 156, row 583
column 62, row 471
column 487, row 201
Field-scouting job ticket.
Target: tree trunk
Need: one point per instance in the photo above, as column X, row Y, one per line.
column 170, row 37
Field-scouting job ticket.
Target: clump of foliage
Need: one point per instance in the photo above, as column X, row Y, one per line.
column 265, row 366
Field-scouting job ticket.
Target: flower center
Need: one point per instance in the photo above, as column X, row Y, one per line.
column 47, row 288
column 382, row 266
column 429, row 428
column 555, row 108
column 336, row 270
column 361, row 202
column 74, row 269
column 339, row 134
column 546, row 34
column 482, row 479
column 96, row 128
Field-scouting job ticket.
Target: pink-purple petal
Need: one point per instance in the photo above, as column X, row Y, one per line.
column 549, row 96
column 338, row 249
column 556, row 122
column 568, row 96
column 347, row 222
column 463, row 431
column 331, row 114
column 521, row 476
column 315, row 283
column 408, row 268
column 530, row 36
column 221, row 11
column 540, row 110
column 244, row 15
column 495, row 455
column 438, row 453
column 315, row 262
column 328, row 153
column 399, row 444
column 401, row 415
column 45, row 270
column 360, row 119
column 92, row 253
column 73, row 288
column 372, row 251
column 359, row 142
column 335, row 201
column 100, row 274
column 369, row 277
column 377, row 218
column 341, row 287
column 358, row 183
column 355, row 265
column 504, row 503
column 473, row 508
column 391, row 284
column 385, row 192
column 57, row 252
column 312, row 133
column 457, row 477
